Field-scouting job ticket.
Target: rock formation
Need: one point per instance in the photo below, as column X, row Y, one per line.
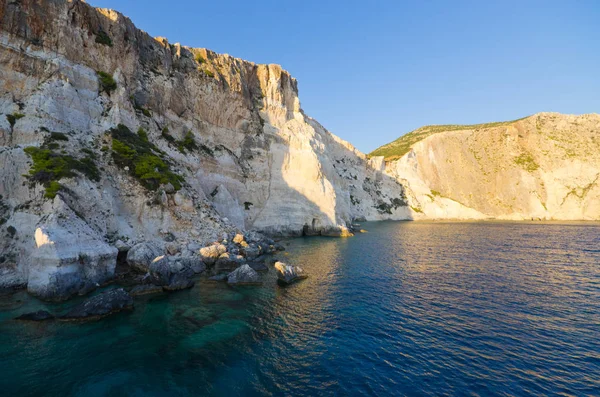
column 287, row 274
column 145, row 141
column 546, row 166
column 110, row 138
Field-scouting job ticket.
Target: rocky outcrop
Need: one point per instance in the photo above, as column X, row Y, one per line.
column 244, row 275
column 172, row 275
column 287, row 274
column 69, row 257
column 233, row 148
column 141, row 255
column 147, row 141
column 545, row 166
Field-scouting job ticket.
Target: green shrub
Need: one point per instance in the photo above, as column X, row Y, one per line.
column 417, row 210
column 107, row 82
column 103, row 38
column 58, row 136
column 144, row 111
column 200, row 59
column 136, row 152
column 11, row 231
column 52, row 189
column 188, row 143
column 122, row 152
column 143, row 134
column 209, row 73
column 12, row 118
column 168, row 137
column 49, row 167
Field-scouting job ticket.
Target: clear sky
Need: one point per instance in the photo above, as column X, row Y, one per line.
column 371, row 71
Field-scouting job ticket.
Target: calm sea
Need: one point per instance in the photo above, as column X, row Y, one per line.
column 409, row 308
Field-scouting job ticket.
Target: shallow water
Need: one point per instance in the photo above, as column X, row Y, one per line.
column 408, row 308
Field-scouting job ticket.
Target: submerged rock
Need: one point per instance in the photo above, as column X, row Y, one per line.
column 243, row 275
column 40, row 315
column 287, row 274
column 218, row 277
column 145, row 290
column 179, row 281
column 102, row 305
column 141, row 255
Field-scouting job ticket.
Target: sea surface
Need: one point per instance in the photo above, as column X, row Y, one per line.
column 409, row 308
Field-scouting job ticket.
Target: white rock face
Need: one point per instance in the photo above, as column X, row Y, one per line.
column 69, row 257
column 257, row 162
column 546, row 166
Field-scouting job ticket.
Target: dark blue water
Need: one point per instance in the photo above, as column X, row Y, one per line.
column 407, row 309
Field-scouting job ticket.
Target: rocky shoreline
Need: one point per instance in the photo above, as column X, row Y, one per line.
column 146, row 268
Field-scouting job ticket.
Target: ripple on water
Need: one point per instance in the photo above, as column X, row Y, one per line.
column 406, row 309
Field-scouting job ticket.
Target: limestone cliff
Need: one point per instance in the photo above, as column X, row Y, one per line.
column 109, row 134
column 545, row 166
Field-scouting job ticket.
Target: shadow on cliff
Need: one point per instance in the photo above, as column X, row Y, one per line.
column 337, row 189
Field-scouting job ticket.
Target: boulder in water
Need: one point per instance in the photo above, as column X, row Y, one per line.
column 145, row 290
column 40, row 315
column 243, row 275
column 171, row 274
column 101, row 305
column 287, row 274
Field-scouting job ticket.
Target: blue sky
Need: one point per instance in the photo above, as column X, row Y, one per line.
column 371, row 71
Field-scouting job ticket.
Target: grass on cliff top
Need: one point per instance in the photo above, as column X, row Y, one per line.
column 49, row 167
column 402, row 145
column 136, row 152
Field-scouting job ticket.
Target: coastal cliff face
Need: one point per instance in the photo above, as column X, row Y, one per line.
column 545, row 166
column 109, row 135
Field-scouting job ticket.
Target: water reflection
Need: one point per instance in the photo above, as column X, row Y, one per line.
column 408, row 308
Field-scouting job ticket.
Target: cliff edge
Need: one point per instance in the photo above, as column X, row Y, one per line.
column 109, row 137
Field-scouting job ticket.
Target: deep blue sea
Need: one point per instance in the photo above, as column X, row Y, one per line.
column 409, row 308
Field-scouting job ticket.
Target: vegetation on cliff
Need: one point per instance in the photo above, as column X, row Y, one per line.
column 402, row 145
column 107, row 82
column 137, row 153
column 49, row 167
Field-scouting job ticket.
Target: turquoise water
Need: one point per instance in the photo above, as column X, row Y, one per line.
column 406, row 309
